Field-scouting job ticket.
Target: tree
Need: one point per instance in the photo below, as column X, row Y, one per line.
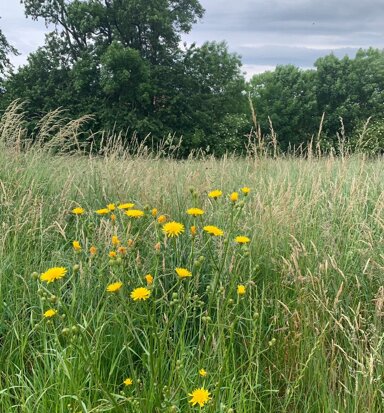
column 5, row 50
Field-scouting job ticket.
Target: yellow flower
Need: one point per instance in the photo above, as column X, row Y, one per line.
column 241, row 239
column 93, row 250
column 76, row 245
column 112, row 254
column 126, row 206
column 241, row 289
column 128, row 381
column 111, row 207
column 162, row 219
column 183, row 272
column 199, row 396
column 149, row 279
column 140, row 293
column 195, row 211
column 215, row 194
column 112, row 288
column 193, row 230
column 53, row 274
column 134, row 213
column 115, row 240
column 103, row 211
column 113, row 217
column 202, row 373
column 78, row 211
column 211, row 229
column 173, row 229
column 245, row 190
column 154, row 212
column 50, row 313
column 234, row 196
column 122, row 250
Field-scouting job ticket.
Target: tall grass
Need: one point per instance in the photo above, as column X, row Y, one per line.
column 306, row 337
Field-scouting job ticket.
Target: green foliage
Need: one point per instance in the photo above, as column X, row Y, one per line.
column 5, row 50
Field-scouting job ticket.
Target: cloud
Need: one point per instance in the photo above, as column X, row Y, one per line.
column 264, row 32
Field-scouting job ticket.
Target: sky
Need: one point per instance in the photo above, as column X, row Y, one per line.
column 265, row 33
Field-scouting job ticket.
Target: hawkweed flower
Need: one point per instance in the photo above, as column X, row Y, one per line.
column 126, row 206
column 245, row 190
column 241, row 239
column 199, row 396
column 193, row 230
column 112, row 254
column 241, row 289
column 173, row 229
column 76, row 246
column 78, row 211
column 234, row 197
column 161, row 219
column 154, row 212
column 128, row 381
column 111, row 207
column 212, row 230
column 92, row 250
column 122, row 250
column 215, row 194
column 149, row 279
column 113, row 288
column 113, row 217
column 134, row 213
column 50, row 313
column 53, row 274
column 102, row 211
column 140, row 293
column 115, row 240
column 195, row 212
column 202, row 373
column 183, row 272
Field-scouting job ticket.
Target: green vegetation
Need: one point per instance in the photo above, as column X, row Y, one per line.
column 123, row 63
column 307, row 335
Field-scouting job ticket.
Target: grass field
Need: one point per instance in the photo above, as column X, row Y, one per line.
column 305, row 334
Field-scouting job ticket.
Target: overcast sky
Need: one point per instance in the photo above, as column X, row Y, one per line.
column 264, row 32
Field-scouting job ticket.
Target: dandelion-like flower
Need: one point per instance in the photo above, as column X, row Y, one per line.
column 154, row 212
column 149, row 279
column 199, row 396
column 102, row 211
column 113, row 217
column 140, row 293
column 212, row 230
column 112, row 254
column 115, row 240
column 195, row 212
column 134, row 213
column 215, row 194
column 78, row 211
column 113, row 288
column 122, row 250
column 53, row 274
column 128, row 381
column 202, row 372
column 193, row 230
column 241, row 239
column 245, row 190
column 173, row 229
column 234, row 197
column 111, row 207
column 50, row 313
column 183, row 272
column 92, row 250
column 162, row 219
column 76, row 245
column 126, row 205
column 241, row 289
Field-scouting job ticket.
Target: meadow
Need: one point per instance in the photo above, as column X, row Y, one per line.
column 166, row 309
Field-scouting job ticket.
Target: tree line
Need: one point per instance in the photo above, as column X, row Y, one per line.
column 123, row 62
